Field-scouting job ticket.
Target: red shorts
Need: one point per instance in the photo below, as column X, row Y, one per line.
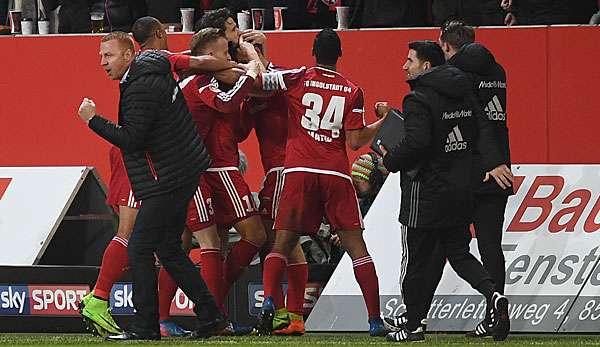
column 232, row 199
column 201, row 214
column 119, row 189
column 307, row 197
column 270, row 192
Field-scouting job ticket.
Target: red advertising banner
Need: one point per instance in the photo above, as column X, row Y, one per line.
column 551, row 109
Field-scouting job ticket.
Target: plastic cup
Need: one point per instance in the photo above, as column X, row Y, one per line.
column 244, row 21
column 258, row 18
column 278, row 17
column 187, row 19
column 343, row 16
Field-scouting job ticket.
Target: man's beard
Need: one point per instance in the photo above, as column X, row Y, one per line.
column 232, row 47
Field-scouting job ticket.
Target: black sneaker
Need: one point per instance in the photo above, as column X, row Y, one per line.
column 500, row 318
column 395, row 323
column 403, row 335
column 398, row 323
column 205, row 330
column 483, row 329
column 265, row 317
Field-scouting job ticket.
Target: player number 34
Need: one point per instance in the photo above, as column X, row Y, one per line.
column 332, row 118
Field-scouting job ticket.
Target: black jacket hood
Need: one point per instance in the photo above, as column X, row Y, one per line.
column 473, row 58
column 149, row 62
column 445, row 79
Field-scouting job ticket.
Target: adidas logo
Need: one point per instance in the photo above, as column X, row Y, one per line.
column 455, row 141
column 494, row 110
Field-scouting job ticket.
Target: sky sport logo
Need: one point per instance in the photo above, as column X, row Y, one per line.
column 494, row 110
column 455, row 141
column 121, row 298
column 41, row 300
column 14, row 300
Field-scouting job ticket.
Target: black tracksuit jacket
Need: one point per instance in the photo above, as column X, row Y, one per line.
column 441, row 122
column 162, row 150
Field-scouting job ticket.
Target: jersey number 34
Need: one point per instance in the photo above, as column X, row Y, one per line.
column 332, row 118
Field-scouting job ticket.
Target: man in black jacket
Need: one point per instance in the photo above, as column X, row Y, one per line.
column 436, row 195
column 490, row 197
column 164, row 157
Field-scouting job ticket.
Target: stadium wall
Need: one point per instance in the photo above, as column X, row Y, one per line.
column 552, row 90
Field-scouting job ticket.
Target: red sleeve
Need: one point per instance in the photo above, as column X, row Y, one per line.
column 355, row 118
column 226, row 101
column 283, row 80
column 178, row 61
column 247, row 121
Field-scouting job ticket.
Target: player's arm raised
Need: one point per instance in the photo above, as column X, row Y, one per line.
column 356, row 135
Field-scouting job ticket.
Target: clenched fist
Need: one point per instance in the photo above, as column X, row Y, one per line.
column 87, row 110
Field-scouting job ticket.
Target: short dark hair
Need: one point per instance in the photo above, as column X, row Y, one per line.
column 214, row 19
column 428, row 51
column 327, row 47
column 144, row 28
column 457, row 34
column 203, row 38
column 122, row 37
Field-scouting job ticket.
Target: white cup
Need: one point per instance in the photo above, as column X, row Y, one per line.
column 27, row 27
column 187, row 19
column 43, row 27
column 343, row 16
column 244, row 21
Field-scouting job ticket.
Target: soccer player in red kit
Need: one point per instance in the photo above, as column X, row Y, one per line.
column 234, row 204
column 233, row 201
column 268, row 116
column 325, row 114
column 209, row 107
column 94, row 306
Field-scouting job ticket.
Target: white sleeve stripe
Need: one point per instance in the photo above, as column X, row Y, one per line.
column 227, row 96
column 281, row 81
column 224, row 96
column 185, row 82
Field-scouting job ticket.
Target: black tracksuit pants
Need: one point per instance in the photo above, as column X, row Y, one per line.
column 417, row 284
column 157, row 230
column 488, row 219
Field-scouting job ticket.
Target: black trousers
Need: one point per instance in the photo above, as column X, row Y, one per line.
column 417, row 284
column 488, row 220
column 157, row 230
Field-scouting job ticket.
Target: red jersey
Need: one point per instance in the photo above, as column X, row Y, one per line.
column 268, row 116
column 322, row 105
column 179, row 62
column 202, row 114
column 217, row 115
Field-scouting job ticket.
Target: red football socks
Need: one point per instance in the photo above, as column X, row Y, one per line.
column 238, row 258
column 212, row 271
column 364, row 272
column 167, row 288
column 115, row 263
column 297, row 275
column 275, row 265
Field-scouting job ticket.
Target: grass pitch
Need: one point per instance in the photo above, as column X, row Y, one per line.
column 312, row 339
